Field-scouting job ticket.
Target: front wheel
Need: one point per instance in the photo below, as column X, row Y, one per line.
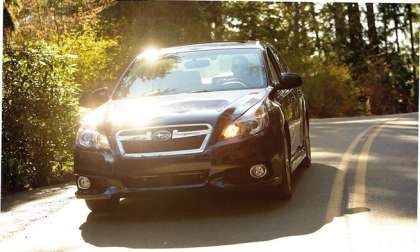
column 103, row 205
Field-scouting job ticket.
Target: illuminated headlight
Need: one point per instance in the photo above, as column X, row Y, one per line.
column 250, row 123
column 92, row 139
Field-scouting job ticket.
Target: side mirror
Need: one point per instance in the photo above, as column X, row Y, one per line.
column 94, row 99
column 290, row 80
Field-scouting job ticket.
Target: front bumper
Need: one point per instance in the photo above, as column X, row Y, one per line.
column 224, row 165
column 124, row 192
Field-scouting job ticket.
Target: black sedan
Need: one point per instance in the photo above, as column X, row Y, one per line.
column 217, row 115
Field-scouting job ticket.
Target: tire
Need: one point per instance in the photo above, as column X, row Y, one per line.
column 103, row 205
column 285, row 188
column 306, row 163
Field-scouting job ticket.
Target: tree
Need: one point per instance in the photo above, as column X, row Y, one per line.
column 372, row 34
column 414, row 58
column 340, row 42
column 357, row 44
column 313, row 23
column 39, row 116
column 384, row 13
column 216, row 16
column 395, row 14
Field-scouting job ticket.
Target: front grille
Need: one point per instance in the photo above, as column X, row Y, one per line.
column 179, row 179
column 173, row 145
column 163, row 140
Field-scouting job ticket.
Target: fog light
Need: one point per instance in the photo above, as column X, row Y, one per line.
column 258, row 171
column 83, row 183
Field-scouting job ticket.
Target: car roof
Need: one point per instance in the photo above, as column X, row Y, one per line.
column 214, row 46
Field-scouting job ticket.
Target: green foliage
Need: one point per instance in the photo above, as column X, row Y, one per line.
column 329, row 90
column 40, row 109
column 92, row 56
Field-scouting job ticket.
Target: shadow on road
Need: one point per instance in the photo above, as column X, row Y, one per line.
column 13, row 200
column 200, row 219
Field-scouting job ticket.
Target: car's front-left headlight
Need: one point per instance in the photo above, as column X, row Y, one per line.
column 250, row 123
column 92, row 139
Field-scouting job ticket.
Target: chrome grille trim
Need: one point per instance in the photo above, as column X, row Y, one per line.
column 183, row 134
column 175, row 134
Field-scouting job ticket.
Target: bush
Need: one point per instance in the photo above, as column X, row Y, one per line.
column 329, row 91
column 328, row 87
column 384, row 88
column 93, row 57
column 40, row 109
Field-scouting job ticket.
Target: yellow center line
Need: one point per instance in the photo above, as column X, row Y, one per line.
column 337, row 190
column 334, row 202
column 336, row 195
column 359, row 196
column 358, row 226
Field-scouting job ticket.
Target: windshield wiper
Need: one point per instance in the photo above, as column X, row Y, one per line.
column 202, row 91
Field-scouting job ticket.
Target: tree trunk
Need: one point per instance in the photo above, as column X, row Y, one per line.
column 372, row 34
column 413, row 53
column 216, row 19
column 340, row 30
column 385, row 23
column 252, row 21
column 219, row 27
column 315, row 27
column 356, row 47
column 410, row 20
column 395, row 15
column 355, row 26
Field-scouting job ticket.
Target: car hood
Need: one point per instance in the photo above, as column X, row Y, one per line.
column 184, row 108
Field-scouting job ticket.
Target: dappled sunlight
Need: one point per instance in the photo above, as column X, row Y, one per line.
column 322, row 156
column 383, row 195
column 319, row 155
column 322, row 127
column 404, row 122
column 367, row 120
column 384, row 192
column 407, row 138
column 399, row 126
column 409, row 176
column 407, row 135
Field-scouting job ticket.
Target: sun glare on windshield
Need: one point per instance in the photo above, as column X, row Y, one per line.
column 151, row 54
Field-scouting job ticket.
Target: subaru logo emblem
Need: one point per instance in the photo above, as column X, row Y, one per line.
column 161, row 135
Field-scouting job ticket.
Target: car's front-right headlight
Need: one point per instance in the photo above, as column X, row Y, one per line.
column 250, row 123
column 91, row 139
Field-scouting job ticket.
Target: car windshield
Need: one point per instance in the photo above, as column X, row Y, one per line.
column 154, row 74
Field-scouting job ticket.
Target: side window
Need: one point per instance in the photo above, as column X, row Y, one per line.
column 274, row 62
column 280, row 61
column 272, row 69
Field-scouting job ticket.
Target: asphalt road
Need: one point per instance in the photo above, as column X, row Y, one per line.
column 359, row 195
